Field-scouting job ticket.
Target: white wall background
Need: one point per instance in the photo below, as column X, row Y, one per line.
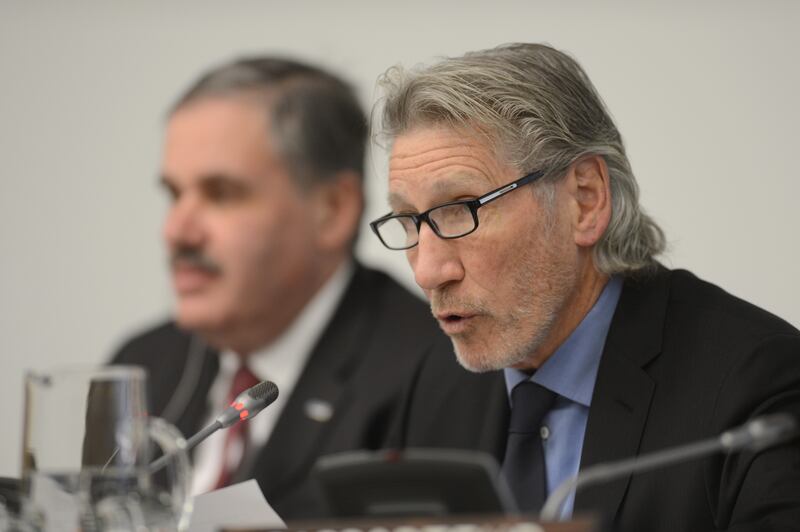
column 705, row 94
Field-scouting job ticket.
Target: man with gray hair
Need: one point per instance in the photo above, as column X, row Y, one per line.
column 263, row 163
column 516, row 206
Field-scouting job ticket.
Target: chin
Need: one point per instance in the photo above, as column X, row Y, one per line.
column 199, row 318
column 474, row 360
column 482, row 360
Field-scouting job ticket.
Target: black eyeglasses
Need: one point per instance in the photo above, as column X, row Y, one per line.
column 451, row 220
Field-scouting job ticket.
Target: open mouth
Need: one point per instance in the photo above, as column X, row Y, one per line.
column 454, row 323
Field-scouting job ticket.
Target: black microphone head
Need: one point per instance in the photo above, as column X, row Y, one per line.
column 266, row 391
column 249, row 403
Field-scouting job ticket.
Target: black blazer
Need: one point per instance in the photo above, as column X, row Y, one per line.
column 683, row 361
column 365, row 356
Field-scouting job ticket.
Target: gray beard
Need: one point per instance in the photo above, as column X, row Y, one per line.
column 506, row 352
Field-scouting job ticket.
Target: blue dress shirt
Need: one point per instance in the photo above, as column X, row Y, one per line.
column 571, row 373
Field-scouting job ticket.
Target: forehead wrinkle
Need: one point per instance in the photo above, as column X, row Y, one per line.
column 461, row 161
column 429, row 157
column 434, row 149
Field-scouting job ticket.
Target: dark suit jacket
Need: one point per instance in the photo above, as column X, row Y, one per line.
column 365, row 356
column 683, row 361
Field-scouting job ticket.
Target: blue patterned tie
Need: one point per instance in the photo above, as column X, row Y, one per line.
column 523, row 465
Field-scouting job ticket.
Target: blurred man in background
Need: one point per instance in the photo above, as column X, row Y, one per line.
column 263, row 162
column 512, row 194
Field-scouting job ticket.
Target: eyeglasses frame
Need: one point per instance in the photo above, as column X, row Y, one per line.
column 473, row 205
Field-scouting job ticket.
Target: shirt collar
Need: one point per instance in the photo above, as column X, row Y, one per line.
column 572, row 370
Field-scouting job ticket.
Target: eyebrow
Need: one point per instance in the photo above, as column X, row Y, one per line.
column 440, row 190
column 444, row 186
column 397, row 202
column 167, row 181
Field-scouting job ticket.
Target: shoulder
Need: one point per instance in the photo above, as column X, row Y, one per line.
column 740, row 359
column 170, row 356
column 152, row 344
column 701, row 305
column 705, row 333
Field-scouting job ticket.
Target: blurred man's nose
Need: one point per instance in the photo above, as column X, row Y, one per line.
column 183, row 224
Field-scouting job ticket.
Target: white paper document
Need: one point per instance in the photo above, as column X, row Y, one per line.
column 238, row 506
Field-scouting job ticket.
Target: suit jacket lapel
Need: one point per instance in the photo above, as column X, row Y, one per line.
column 286, row 457
column 623, row 390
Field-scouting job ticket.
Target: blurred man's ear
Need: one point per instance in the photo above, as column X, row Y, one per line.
column 338, row 204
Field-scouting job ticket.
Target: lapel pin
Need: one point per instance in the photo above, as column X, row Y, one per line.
column 319, row 410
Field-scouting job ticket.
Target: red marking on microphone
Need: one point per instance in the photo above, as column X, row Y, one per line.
column 238, row 406
column 243, row 414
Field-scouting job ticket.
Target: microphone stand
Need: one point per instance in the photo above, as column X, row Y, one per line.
column 758, row 434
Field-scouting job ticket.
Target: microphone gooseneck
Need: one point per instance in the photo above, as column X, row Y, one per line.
column 246, row 406
column 755, row 435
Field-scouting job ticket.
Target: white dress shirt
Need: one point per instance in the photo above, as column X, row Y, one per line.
column 281, row 362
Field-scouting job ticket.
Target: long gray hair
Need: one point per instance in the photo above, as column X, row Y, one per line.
column 539, row 110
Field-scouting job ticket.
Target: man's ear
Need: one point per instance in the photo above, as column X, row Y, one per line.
column 338, row 204
column 590, row 189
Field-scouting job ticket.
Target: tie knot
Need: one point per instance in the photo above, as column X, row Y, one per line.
column 530, row 403
column 242, row 380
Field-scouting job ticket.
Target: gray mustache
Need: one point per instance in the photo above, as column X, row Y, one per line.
column 193, row 257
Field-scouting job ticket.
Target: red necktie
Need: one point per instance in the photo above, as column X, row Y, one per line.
column 237, row 436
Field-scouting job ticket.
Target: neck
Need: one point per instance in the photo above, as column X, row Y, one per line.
column 250, row 336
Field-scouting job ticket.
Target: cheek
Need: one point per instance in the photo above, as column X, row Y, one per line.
column 488, row 256
column 247, row 244
column 276, row 249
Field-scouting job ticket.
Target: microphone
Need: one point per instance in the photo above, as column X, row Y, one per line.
column 246, row 406
column 755, row 435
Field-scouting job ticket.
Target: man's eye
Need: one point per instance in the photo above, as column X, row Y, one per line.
column 171, row 192
column 223, row 192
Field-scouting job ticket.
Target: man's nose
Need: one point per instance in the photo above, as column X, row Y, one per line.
column 183, row 224
column 434, row 260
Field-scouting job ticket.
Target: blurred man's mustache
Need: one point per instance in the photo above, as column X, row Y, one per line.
column 193, row 257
